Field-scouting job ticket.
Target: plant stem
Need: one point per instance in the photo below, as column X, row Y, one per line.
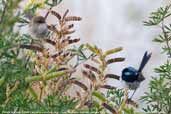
column 166, row 38
column 47, row 77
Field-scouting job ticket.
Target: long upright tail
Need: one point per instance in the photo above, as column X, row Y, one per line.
column 144, row 61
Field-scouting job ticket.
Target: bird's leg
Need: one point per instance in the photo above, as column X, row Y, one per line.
column 132, row 95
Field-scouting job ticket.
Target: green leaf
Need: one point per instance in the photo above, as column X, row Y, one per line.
column 99, row 96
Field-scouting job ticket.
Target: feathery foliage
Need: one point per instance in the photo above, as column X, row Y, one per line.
column 158, row 98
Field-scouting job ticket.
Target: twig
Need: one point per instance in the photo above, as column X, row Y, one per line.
column 27, row 61
column 166, row 38
column 48, row 12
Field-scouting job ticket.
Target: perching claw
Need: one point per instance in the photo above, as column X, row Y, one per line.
column 144, row 61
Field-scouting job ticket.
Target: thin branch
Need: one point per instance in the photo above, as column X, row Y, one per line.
column 27, row 61
column 48, row 13
column 166, row 38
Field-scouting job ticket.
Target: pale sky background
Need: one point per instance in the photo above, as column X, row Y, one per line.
column 115, row 23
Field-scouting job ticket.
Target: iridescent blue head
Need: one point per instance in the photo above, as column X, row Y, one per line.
column 131, row 74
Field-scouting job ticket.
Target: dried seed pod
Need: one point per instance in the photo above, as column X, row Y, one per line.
column 89, row 75
column 32, row 47
column 61, row 69
column 68, row 38
column 112, row 76
column 115, row 60
column 79, row 84
column 73, row 41
column 67, row 41
column 66, row 54
column 56, row 14
column 64, row 41
column 67, row 27
column 92, row 68
column 50, row 41
column 107, row 87
column 70, row 26
column 57, row 54
column 73, row 18
column 52, row 28
column 61, row 58
column 68, row 32
column 113, row 111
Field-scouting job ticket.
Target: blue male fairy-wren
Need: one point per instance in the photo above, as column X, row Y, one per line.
column 133, row 77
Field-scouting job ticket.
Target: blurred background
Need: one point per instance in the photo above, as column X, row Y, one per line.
column 110, row 23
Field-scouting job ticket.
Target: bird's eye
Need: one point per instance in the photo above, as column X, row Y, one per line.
column 40, row 21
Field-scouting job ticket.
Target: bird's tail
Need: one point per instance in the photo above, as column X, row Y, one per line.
column 144, row 61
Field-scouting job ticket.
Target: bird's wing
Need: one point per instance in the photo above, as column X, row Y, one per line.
column 144, row 61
